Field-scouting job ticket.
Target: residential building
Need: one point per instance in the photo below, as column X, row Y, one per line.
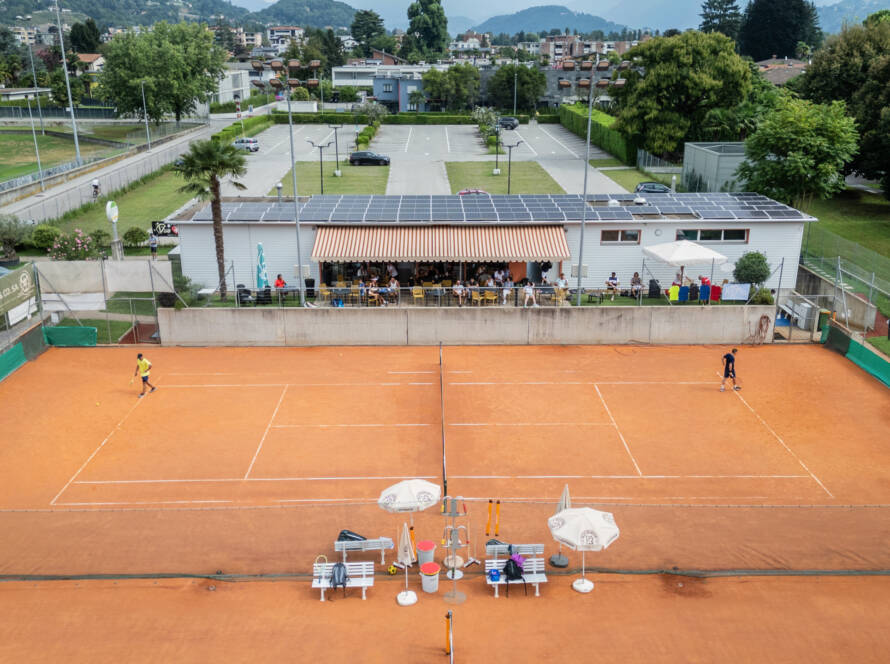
column 94, row 62
column 348, row 42
column 470, row 41
column 364, row 73
column 240, row 80
column 393, row 88
column 15, row 94
column 25, row 36
column 562, row 47
column 280, row 36
column 387, row 58
column 530, row 47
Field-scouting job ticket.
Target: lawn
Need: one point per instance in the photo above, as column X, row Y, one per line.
column 881, row 343
column 118, row 328
column 146, row 202
column 528, row 177
column 857, row 216
column 131, row 302
column 609, row 161
column 355, row 179
column 19, row 159
column 631, row 177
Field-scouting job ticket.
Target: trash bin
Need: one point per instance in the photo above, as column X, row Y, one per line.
column 429, row 577
column 310, row 286
column 426, row 550
column 824, row 315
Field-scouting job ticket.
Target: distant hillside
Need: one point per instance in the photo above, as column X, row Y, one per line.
column 545, row 18
column 123, row 12
column 458, row 25
column 313, row 13
column 832, row 17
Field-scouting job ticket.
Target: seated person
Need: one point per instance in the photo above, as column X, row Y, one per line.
column 508, row 287
column 612, row 285
column 636, row 284
column 374, row 293
column 529, row 291
column 489, row 283
column 280, row 282
column 394, row 289
column 460, row 292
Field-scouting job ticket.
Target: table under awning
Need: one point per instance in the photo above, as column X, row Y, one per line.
column 341, row 244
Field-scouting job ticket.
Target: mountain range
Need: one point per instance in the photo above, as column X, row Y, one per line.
column 833, row 17
column 545, row 18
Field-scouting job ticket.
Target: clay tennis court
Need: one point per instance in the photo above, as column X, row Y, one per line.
column 249, row 461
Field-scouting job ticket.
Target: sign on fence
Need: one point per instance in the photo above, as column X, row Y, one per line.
column 15, row 288
column 164, row 229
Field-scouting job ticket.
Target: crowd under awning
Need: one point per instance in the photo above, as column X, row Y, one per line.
column 340, row 244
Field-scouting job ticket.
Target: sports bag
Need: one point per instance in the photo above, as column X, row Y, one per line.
column 513, row 572
column 339, row 577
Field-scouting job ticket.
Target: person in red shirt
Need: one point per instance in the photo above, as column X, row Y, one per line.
column 279, row 282
column 704, row 280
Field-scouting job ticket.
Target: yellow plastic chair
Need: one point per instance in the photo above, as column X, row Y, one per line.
column 446, row 283
column 476, row 298
column 355, row 295
column 323, row 293
column 417, row 294
column 674, row 293
column 490, row 297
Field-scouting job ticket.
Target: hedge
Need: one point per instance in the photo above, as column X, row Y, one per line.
column 574, row 118
column 252, row 126
column 548, row 118
column 406, row 118
column 280, row 117
column 252, row 100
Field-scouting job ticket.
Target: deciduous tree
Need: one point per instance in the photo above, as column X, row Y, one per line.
column 428, row 25
column 530, row 85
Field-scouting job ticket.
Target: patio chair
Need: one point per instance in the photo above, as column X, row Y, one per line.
column 704, row 293
column 476, row 298
column 446, row 283
column 683, row 295
column 417, row 294
column 324, row 293
column 716, row 292
column 490, row 297
column 355, row 294
column 674, row 293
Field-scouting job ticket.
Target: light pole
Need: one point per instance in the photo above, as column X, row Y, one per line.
column 68, row 84
column 293, row 161
column 497, row 145
column 278, row 187
column 584, row 196
column 320, row 158
column 36, row 94
column 145, row 114
column 336, row 149
column 510, row 161
column 515, row 80
column 36, row 149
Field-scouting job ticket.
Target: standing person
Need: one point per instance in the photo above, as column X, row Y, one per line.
column 729, row 370
column 95, row 185
column 143, row 367
column 153, row 245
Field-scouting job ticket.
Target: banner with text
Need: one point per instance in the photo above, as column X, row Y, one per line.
column 16, row 287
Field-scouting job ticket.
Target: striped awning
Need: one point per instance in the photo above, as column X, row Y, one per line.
column 440, row 243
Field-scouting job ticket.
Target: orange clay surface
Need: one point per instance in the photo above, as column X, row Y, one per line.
column 249, row 462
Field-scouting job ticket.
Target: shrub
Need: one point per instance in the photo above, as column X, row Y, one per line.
column 751, row 268
column 45, row 236
column 762, row 296
column 574, row 118
column 101, row 238
column 135, row 236
column 12, row 232
column 74, row 247
column 300, row 94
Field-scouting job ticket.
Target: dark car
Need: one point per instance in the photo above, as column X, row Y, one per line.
column 368, row 158
column 652, row 188
column 508, row 123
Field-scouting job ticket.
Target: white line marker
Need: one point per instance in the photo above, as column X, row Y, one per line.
column 447, row 141
column 96, row 451
column 532, row 424
column 410, row 131
column 410, row 372
column 266, row 432
column 527, row 382
column 528, row 145
column 199, row 385
column 460, row 372
column 615, row 424
column 151, row 502
column 323, row 426
column 577, row 156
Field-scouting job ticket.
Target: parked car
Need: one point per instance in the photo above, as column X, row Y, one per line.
column 368, row 158
column 249, row 144
column 472, row 192
column 507, row 122
column 652, row 188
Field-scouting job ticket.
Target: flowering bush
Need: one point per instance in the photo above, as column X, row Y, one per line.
column 74, row 247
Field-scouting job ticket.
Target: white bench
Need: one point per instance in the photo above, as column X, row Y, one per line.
column 524, row 550
column 361, row 575
column 380, row 544
column 532, row 572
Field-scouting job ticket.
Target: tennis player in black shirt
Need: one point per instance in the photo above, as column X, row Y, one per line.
column 729, row 370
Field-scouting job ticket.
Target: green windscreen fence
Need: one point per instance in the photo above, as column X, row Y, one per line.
column 835, row 338
column 11, row 360
column 70, row 336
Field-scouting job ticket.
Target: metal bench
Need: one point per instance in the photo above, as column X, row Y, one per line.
column 361, row 575
column 380, row 544
column 532, row 572
column 524, row 550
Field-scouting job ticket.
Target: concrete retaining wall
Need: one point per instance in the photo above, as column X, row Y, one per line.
column 86, row 276
column 454, row 327
column 860, row 312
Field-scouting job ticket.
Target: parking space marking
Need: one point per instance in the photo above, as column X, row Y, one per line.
column 447, row 142
column 577, row 156
column 525, row 142
column 408, row 142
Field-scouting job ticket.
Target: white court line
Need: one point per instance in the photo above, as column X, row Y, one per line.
column 356, row 501
column 259, row 479
column 447, row 142
column 577, row 156
column 527, row 382
column 96, row 451
column 410, row 372
column 459, row 372
column 615, row 424
column 529, row 145
column 410, row 132
column 533, row 424
column 266, row 432
column 324, row 426
column 628, row 477
column 782, row 443
column 654, row 382
column 151, row 502
column 198, row 385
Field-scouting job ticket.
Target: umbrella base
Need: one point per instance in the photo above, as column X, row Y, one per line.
column 455, row 597
column 582, row 585
column 559, row 560
column 454, row 574
column 406, row 598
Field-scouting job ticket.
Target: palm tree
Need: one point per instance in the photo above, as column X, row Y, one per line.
column 203, row 167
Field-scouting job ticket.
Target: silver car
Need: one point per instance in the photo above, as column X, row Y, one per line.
column 249, row 144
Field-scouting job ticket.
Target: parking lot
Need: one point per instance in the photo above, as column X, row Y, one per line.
column 418, row 154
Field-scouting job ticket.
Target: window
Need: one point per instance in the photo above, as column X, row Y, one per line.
column 387, row 87
column 620, row 237
column 714, row 235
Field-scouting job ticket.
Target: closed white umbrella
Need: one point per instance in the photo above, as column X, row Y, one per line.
column 406, row 558
column 565, row 502
column 583, row 529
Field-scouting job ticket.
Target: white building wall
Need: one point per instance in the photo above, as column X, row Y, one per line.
column 775, row 240
column 240, row 246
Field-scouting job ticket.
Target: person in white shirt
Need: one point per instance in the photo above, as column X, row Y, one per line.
column 460, row 292
column 562, row 282
column 499, row 276
column 391, row 269
column 529, row 290
column 612, row 285
column 508, row 288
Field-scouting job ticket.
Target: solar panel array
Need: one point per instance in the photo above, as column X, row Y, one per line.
column 512, row 209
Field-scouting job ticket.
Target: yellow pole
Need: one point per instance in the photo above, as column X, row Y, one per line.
column 448, row 633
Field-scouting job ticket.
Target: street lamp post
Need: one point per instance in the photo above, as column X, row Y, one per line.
column 293, row 163
column 36, row 94
column 336, row 149
column 515, row 81
column 510, row 161
column 497, row 145
column 36, row 149
column 145, row 114
column 584, row 196
column 278, row 187
column 321, row 148
column 68, row 84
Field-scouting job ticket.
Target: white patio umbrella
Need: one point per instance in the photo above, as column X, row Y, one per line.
column 565, row 502
column 583, row 529
column 682, row 253
column 409, row 496
column 406, row 557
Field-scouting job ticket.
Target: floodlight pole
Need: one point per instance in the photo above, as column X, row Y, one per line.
column 497, row 144
column 336, row 149
column 510, row 161
column 68, row 84
column 36, row 149
column 320, row 159
column 293, row 161
column 515, row 82
column 584, row 195
column 145, row 114
column 36, row 93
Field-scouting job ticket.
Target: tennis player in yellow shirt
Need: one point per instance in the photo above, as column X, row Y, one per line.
column 143, row 368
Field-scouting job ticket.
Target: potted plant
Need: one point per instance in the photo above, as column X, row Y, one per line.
column 12, row 232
